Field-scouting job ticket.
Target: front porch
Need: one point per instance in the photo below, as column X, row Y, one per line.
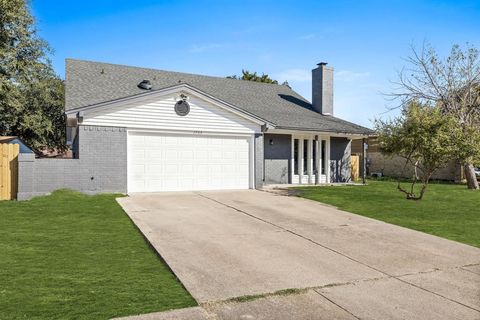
column 306, row 158
column 309, row 156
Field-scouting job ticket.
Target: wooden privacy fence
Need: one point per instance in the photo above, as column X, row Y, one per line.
column 355, row 159
column 8, row 171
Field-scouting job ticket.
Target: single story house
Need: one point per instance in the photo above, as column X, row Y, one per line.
column 144, row 130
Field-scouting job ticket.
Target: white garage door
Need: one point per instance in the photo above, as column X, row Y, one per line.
column 159, row 162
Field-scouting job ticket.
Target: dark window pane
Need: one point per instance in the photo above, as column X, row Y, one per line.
column 295, row 156
column 323, row 156
column 305, row 155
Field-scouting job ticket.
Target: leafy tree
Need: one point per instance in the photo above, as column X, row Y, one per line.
column 249, row 76
column 425, row 138
column 31, row 94
column 452, row 85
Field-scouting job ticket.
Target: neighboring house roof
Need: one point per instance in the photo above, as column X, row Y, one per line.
column 15, row 140
column 89, row 83
column 6, row 139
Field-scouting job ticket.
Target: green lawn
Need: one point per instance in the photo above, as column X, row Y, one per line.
column 72, row 256
column 447, row 210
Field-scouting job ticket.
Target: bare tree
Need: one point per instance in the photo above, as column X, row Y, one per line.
column 424, row 137
column 453, row 85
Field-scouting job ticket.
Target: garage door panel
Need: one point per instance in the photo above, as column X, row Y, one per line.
column 170, row 140
column 153, row 185
column 215, row 155
column 187, row 155
column 137, row 141
column 152, row 153
column 186, row 184
column 188, row 170
column 242, row 157
column 149, row 141
column 202, row 171
column 169, row 185
column 201, row 155
column 229, row 155
column 214, row 141
column 171, row 155
column 154, row 171
column 229, row 169
column 171, row 170
column 175, row 163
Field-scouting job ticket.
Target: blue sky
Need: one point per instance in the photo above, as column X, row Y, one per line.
column 365, row 41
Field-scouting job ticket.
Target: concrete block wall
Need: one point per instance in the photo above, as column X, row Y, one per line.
column 26, row 176
column 278, row 153
column 101, row 166
column 340, row 160
column 393, row 166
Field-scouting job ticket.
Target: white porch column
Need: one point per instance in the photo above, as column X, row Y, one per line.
column 300, row 160
column 327, row 159
column 310, row 161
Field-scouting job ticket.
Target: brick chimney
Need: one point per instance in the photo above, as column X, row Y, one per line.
column 322, row 89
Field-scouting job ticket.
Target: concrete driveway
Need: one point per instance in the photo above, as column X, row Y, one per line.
column 225, row 245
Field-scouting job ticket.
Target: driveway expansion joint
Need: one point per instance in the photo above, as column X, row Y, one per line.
column 286, row 292
column 465, row 269
column 335, row 303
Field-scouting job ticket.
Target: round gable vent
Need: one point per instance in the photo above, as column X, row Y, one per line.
column 182, row 108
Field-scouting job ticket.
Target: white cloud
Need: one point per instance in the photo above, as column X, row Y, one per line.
column 294, row 75
column 204, row 47
column 346, row 75
column 307, row 36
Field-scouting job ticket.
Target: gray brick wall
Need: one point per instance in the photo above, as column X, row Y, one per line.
column 26, row 175
column 278, row 152
column 258, row 160
column 101, row 166
column 322, row 89
column 340, row 160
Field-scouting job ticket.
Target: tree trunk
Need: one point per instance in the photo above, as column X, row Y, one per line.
column 472, row 182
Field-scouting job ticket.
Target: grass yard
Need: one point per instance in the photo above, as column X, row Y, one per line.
column 72, row 256
column 447, row 210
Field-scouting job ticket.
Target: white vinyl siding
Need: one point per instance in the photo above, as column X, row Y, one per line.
column 158, row 114
column 170, row 162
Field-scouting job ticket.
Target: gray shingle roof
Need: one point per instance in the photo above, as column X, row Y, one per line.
column 89, row 83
